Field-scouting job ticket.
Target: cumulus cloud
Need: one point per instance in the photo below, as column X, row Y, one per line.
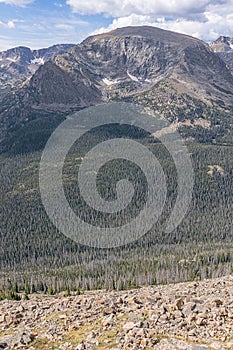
column 204, row 19
column 17, row 2
column 214, row 25
column 115, row 8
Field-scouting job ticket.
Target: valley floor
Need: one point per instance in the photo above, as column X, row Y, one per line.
column 193, row 315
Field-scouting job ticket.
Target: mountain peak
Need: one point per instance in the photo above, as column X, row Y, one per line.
column 147, row 32
column 222, row 44
column 223, row 47
column 223, row 39
column 154, row 67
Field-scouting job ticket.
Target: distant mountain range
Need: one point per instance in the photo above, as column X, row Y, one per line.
column 19, row 63
column 181, row 77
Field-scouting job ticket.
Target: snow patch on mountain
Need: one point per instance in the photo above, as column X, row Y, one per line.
column 132, row 77
column 11, row 59
column 38, row 61
column 109, row 82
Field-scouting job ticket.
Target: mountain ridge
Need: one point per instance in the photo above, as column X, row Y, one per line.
column 172, row 73
column 19, row 63
column 111, row 54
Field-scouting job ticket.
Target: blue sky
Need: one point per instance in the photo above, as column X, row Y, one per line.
column 41, row 23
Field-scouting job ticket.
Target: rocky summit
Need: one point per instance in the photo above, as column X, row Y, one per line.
column 191, row 316
column 223, row 47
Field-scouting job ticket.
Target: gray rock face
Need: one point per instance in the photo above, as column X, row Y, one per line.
column 222, row 44
column 223, row 47
column 128, row 61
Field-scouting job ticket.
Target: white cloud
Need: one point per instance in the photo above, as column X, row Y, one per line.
column 58, row 4
column 9, row 24
column 216, row 19
column 71, row 24
column 64, row 26
column 211, row 29
column 17, row 2
column 115, row 8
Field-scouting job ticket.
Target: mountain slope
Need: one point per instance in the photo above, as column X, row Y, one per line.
column 134, row 59
column 177, row 75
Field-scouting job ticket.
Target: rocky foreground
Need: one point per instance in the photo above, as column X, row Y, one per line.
column 195, row 316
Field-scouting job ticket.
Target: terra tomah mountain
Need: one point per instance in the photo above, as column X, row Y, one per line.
column 179, row 76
